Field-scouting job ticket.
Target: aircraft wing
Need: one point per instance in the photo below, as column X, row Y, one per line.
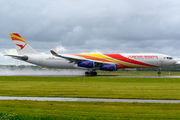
column 71, row 59
column 19, row 57
column 76, row 60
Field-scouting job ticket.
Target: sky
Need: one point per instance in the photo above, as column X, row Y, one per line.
column 91, row 26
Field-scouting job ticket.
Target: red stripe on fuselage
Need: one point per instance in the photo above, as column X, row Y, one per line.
column 120, row 66
column 124, row 59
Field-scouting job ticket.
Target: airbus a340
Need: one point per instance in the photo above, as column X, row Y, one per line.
column 89, row 62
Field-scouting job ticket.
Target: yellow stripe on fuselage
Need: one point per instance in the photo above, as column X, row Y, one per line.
column 116, row 61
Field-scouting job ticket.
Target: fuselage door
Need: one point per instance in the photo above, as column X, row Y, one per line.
column 41, row 60
column 161, row 60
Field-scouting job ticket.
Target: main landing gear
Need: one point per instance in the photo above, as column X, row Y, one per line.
column 159, row 71
column 93, row 73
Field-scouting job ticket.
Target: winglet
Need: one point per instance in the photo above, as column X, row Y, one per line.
column 53, row 53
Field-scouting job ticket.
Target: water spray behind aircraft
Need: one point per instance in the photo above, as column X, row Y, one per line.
column 9, row 71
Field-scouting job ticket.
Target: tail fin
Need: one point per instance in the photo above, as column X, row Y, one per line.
column 21, row 45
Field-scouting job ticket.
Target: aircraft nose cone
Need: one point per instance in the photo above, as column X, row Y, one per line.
column 175, row 61
column 171, row 62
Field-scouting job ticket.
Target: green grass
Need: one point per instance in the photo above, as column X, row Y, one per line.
column 91, row 87
column 88, row 110
column 8, row 116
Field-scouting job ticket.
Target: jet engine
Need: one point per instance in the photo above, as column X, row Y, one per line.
column 108, row 67
column 87, row 64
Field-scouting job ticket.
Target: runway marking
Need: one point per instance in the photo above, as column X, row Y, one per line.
column 87, row 99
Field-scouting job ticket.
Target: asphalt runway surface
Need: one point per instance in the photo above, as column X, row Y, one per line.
column 142, row 76
column 87, row 99
column 56, row 75
column 66, row 73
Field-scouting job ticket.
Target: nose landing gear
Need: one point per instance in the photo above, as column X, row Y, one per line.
column 159, row 71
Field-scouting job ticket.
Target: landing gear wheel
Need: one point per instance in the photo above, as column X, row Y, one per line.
column 95, row 73
column 91, row 73
column 159, row 72
column 86, row 73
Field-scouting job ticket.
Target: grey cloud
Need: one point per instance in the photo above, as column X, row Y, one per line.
column 86, row 25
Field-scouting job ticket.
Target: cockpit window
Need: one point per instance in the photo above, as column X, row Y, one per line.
column 170, row 58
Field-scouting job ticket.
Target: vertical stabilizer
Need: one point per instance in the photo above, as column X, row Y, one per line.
column 21, row 45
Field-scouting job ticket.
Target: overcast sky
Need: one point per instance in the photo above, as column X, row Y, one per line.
column 85, row 26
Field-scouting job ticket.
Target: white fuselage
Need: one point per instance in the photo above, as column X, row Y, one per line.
column 51, row 61
column 91, row 62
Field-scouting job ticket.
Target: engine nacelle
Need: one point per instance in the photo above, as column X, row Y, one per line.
column 87, row 64
column 108, row 67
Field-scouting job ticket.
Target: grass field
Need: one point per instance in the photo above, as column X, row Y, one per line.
column 87, row 110
column 90, row 87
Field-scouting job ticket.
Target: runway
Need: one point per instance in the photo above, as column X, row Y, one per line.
column 142, row 76
column 87, row 99
column 56, row 75
column 67, row 73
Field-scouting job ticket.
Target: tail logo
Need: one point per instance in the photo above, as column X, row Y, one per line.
column 21, row 46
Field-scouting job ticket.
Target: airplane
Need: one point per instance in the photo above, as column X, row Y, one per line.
column 89, row 62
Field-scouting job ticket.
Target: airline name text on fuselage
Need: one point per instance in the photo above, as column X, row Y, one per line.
column 143, row 56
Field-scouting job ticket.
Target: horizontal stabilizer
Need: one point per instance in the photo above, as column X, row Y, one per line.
column 19, row 57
